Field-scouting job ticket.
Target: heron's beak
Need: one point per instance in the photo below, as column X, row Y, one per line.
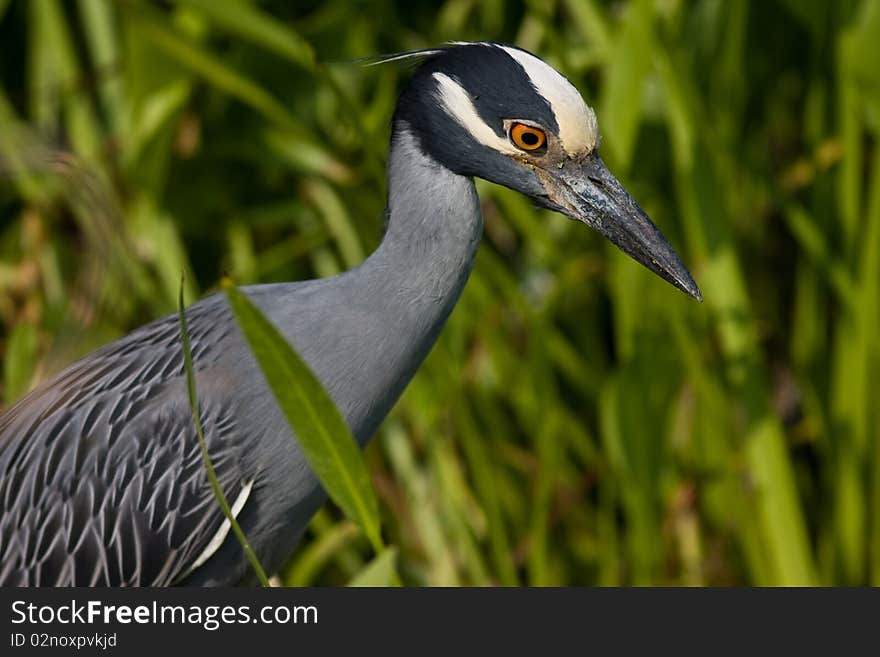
column 588, row 192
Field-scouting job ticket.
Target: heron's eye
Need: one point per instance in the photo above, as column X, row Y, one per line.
column 526, row 137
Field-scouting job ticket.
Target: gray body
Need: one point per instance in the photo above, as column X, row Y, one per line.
column 101, row 477
column 108, row 446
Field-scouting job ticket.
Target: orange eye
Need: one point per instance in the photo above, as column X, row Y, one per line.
column 526, row 137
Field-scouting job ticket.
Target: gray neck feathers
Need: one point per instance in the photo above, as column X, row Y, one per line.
column 407, row 288
column 434, row 228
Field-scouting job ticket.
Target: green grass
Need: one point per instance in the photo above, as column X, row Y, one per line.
column 579, row 421
column 313, row 417
column 219, row 495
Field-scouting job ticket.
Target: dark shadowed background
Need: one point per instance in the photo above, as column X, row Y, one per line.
column 580, row 421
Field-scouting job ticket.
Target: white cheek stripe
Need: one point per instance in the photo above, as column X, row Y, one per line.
column 578, row 129
column 458, row 104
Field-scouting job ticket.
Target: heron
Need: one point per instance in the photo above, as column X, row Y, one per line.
column 102, row 481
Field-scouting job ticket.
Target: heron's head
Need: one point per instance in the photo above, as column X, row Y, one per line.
column 499, row 113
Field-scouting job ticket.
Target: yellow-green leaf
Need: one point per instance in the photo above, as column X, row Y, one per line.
column 381, row 571
column 312, row 415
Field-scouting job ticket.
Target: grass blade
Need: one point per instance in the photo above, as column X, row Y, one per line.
column 250, row 23
column 325, row 437
column 209, row 467
column 211, row 68
column 381, row 571
column 18, row 368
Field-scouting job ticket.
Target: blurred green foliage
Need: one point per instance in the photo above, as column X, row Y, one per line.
column 579, row 421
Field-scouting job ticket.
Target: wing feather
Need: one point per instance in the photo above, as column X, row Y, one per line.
column 101, row 475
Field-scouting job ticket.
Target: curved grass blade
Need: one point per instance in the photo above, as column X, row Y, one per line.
column 209, row 467
column 257, row 26
column 312, row 415
column 205, row 64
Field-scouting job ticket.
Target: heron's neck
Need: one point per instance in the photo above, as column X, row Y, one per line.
column 434, row 228
column 407, row 288
column 365, row 332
